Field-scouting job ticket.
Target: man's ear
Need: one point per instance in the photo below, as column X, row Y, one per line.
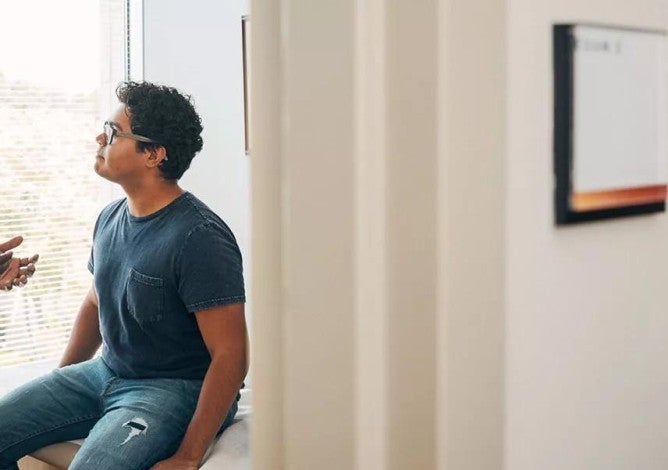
column 156, row 156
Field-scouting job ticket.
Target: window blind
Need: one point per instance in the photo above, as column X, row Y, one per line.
column 51, row 107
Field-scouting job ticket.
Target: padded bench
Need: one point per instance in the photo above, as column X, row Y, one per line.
column 230, row 451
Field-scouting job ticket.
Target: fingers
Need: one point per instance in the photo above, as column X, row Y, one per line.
column 20, row 281
column 5, row 258
column 11, row 243
column 21, row 278
column 28, row 271
column 17, row 273
column 26, row 261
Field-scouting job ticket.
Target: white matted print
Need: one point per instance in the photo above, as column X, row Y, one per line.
column 610, row 116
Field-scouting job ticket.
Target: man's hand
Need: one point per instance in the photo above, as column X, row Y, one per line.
column 14, row 271
column 5, row 254
column 175, row 463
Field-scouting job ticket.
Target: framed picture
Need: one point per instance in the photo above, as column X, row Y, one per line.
column 245, row 46
column 609, row 122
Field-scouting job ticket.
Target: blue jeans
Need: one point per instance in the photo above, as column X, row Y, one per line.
column 128, row 423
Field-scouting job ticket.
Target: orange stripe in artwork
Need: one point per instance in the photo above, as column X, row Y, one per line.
column 612, row 199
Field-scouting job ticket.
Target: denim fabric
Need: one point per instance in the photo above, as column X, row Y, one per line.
column 128, row 423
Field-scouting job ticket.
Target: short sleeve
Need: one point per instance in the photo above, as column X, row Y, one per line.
column 91, row 259
column 209, row 269
column 91, row 263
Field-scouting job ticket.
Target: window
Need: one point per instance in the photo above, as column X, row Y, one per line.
column 58, row 72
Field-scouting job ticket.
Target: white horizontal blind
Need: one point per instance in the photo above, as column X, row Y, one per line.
column 57, row 76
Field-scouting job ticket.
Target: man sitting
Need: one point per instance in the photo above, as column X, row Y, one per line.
column 166, row 304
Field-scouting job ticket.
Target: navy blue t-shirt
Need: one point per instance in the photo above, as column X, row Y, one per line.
column 151, row 275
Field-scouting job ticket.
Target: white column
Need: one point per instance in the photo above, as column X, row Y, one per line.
column 371, row 240
column 471, row 194
column 267, row 432
column 344, row 154
column 302, row 152
column 411, row 158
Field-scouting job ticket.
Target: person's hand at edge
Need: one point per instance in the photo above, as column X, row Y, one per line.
column 14, row 271
column 6, row 254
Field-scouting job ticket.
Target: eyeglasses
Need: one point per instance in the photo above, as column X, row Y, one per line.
column 110, row 132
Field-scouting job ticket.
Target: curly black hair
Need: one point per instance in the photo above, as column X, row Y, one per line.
column 166, row 116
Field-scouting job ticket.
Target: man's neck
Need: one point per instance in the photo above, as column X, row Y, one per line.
column 150, row 198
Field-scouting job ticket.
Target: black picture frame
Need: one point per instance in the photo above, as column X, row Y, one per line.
column 564, row 45
column 245, row 51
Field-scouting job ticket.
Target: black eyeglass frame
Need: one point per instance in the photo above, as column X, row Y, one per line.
column 110, row 132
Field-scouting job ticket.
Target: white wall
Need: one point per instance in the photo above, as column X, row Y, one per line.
column 587, row 306
column 195, row 46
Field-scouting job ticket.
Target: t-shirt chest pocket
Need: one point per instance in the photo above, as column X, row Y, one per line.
column 145, row 297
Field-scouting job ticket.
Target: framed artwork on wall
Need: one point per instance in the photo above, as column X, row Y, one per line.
column 609, row 122
column 245, row 50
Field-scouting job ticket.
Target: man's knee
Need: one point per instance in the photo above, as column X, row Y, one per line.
column 134, row 442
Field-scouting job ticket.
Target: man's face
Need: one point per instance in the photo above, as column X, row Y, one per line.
column 120, row 161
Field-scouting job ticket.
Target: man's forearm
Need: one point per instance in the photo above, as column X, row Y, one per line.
column 219, row 389
column 85, row 338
